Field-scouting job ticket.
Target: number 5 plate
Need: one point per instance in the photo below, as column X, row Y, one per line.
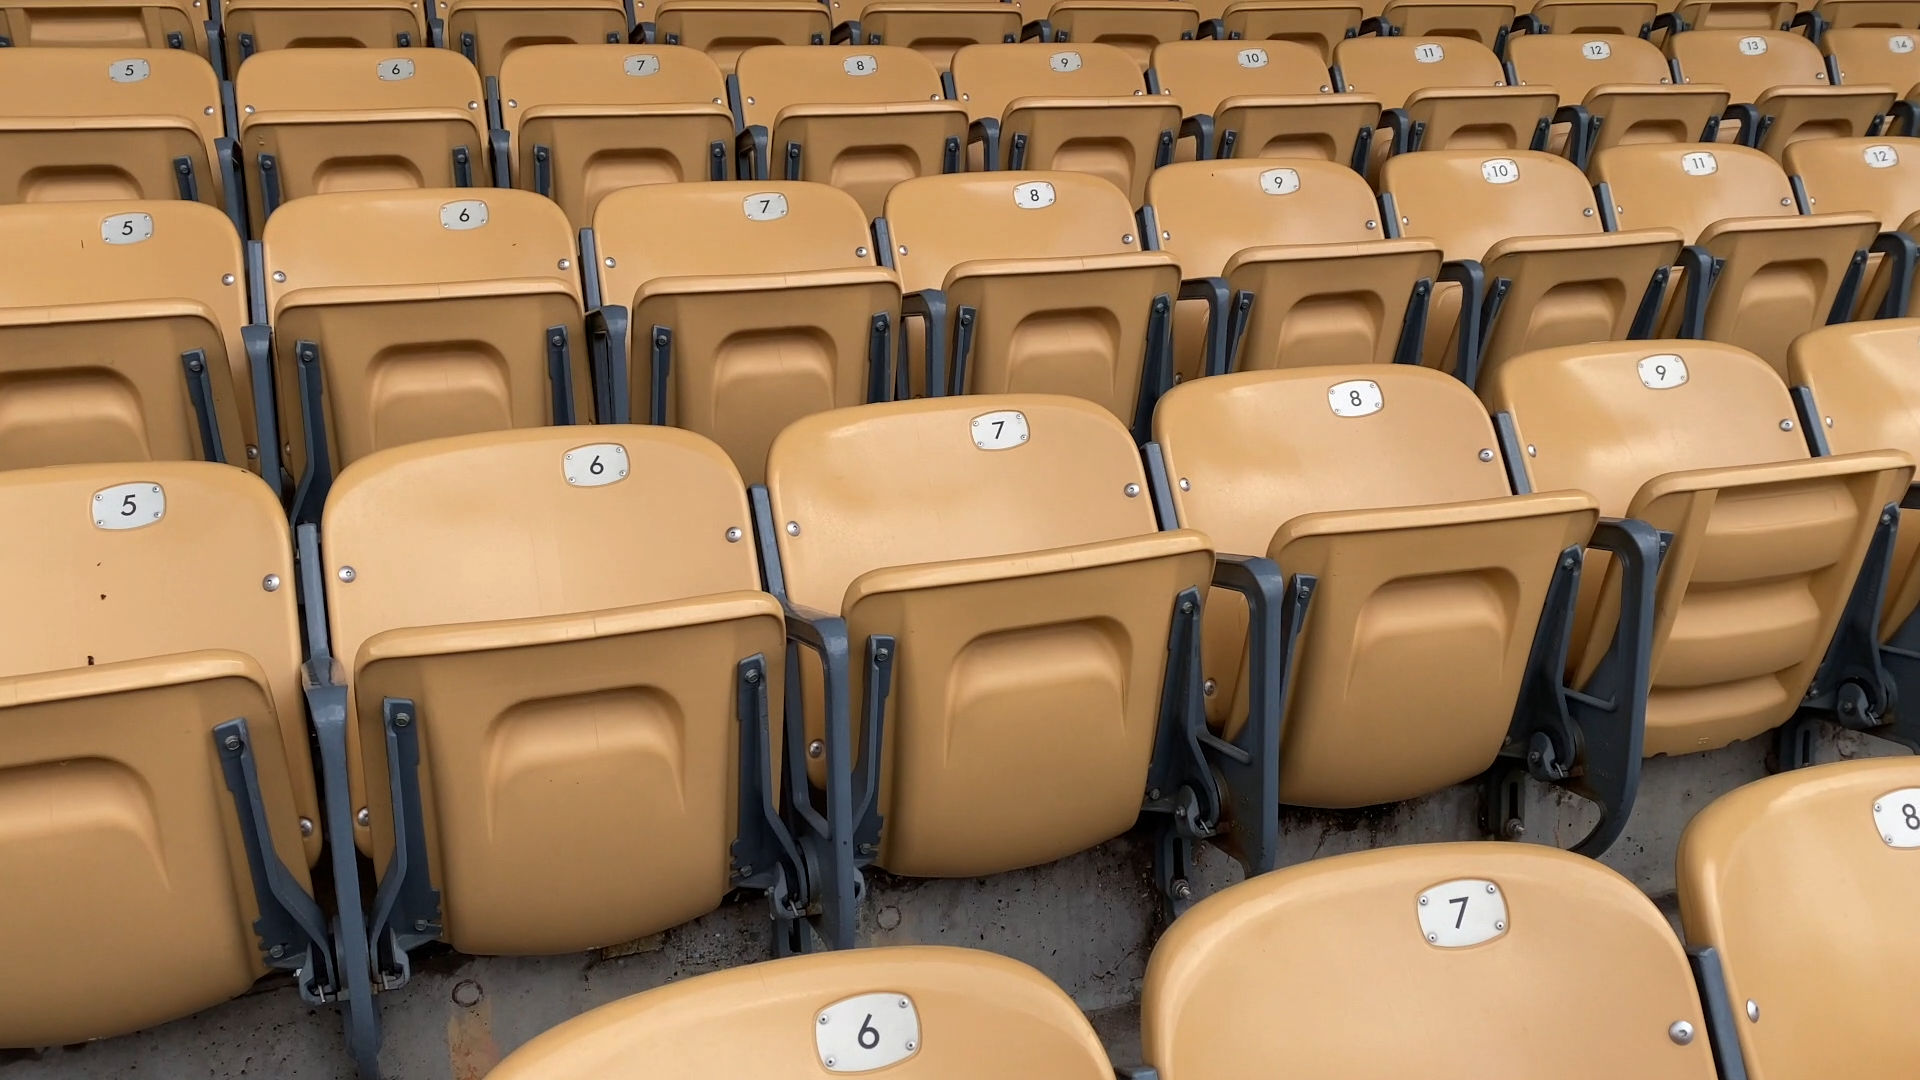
column 861, row 1034
column 1456, row 914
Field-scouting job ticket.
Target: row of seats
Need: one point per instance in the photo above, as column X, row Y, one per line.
column 370, row 320
column 503, row 638
column 1414, row 960
column 577, row 121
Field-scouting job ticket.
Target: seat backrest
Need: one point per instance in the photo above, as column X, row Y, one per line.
column 1075, row 479
column 1207, row 211
column 938, row 222
column 726, row 227
column 104, row 83
column 1747, row 62
column 1879, row 176
column 1804, row 884
column 1201, row 74
column 989, row 77
column 1875, row 56
column 101, row 551
column 1574, row 64
column 119, row 24
column 1452, row 941
column 932, row 1012
column 605, row 75
column 773, row 77
column 357, row 81
column 525, row 511
column 1393, row 68
column 1422, row 446
column 1469, row 200
column 1689, row 186
column 488, row 31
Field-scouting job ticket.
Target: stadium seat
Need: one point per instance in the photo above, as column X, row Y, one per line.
column 561, row 760
column 155, row 771
column 1134, row 26
column 1876, row 176
column 1383, row 476
column 1082, row 108
column 1700, row 440
column 1529, row 264
column 1856, row 389
column 1028, row 627
column 1779, row 87
column 1031, row 282
column 1825, row 15
column 1482, row 21
column 1284, row 264
column 1616, row 89
column 333, row 120
column 1443, row 93
column 111, row 124
column 933, row 28
column 251, row 26
column 723, row 29
column 1585, row 18
column 1873, row 56
column 120, row 335
column 980, row 1014
column 486, row 32
column 1457, row 943
column 582, row 121
column 1317, row 24
column 861, row 118
column 751, row 304
column 1757, row 272
column 104, row 24
column 1268, row 99
column 1802, row 884
column 399, row 316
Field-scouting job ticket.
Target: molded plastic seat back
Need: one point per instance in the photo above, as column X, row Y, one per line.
column 1622, row 80
column 1267, row 100
column 723, row 29
column 1785, row 77
column 486, row 32
column 253, row 26
column 117, row 24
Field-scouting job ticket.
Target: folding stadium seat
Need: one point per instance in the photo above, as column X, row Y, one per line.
column 325, row 120
column 1873, row 56
column 1457, row 943
column 1079, row 109
column 1271, row 99
column 573, row 752
column 251, row 26
column 1802, row 886
column 1135, row 26
column 1825, row 15
column 1621, row 18
column 1617, row 89
column 862, row 118
column 1880, row 177
column 1317, row 24
column 581, row 121
column 111, row 124
column 155, row 783
column 488, row 31
column 751, row 304
column 115, row 24
column 1384, row 475
column 1482, row 21
column 1031, row 283
column 1699, row 439
column 723, row 29
column 120, row 335
column 407, row 315
column 933, row 28
column 1856, row 390
column 1529, row 262
column 1443, row 93
column 1757, row 272
column 1778, row 83
column 984, row 1015
column 1047, row 643
column 1292, row 264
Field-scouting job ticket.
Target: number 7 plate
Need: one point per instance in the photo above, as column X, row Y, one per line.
column 1456, row 914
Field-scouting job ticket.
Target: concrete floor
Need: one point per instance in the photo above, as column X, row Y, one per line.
column 1087, row 921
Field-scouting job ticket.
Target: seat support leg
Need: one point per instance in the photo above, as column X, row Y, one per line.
column 188, row 184
column 406, row 908
column 560, row 373
column 763, row 854
column 193, row 364
column 317, row 477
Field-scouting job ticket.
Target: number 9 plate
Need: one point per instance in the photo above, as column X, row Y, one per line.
column 861, row 1034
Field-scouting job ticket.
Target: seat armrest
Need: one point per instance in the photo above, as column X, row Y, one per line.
column 1200, row 130
column 1902, row 255
column 930, row 307
column 1471, row 276
column 607, row 354
column 1217, row 357
column 986, row 131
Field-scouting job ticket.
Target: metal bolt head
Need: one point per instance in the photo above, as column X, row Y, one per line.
column 271, row 582
column 753, row 678
column 1126, row 238
column 1486, row 455
column 420, row 925
column 816, row 748
column 823, row 1020
column 233, row 742
column 1753, row 1011
column 734, row 534
column 1209, row 688
column 1132, row 490
column 903, row 249
column 363, row 817
column 793, row 528
column 860, row 252
column 1184, row 485
column 1181, row 889
column 1435, row 938
column 1786, row 425
column 1423, row 901
column 402, row 719
column 279, row 275
column 226, row 279
column 566, row 264
column 346, row 573
column 609, row 260
column 306, row 826
column 277, row 951
column 1492, row 888
column 903, row 1004
column 1680, row 1032
column 1532, row 451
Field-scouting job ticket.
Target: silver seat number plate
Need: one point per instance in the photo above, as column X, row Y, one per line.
column 1456, row 914
column 861, row 1034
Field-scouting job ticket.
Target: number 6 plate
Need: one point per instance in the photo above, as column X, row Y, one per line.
column 1456, row 914
column 865, row 1033
column 595, row 465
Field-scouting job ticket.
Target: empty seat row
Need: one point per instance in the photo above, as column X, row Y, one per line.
column 1792, row 894
column 1641, row 551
